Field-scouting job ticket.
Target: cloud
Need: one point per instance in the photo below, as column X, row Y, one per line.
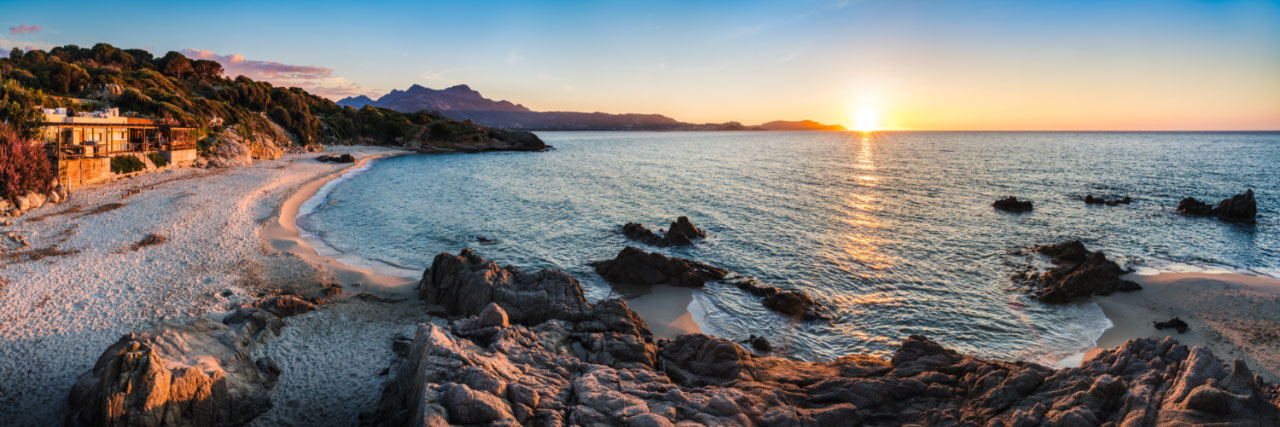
column 24, row 29
column 429, row 75
column 317, row 80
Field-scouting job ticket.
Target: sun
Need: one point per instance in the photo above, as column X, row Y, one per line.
column 866, row 120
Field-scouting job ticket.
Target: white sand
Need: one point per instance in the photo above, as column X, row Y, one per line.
column 59, row 313
column 1235, row 315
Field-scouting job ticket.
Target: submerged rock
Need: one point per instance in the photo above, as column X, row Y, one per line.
column 635, row 266
column 200, row 374
column 681, row 233
column 1079, row 273
column 792, row 303
column 1090, row 200
column 1239, row 208
column 1012, row 204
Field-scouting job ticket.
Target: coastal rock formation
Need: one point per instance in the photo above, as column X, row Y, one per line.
column 480, row 370
column 1239, row 208
column 1090, row 200
column 469, row 137
column 1079, row 273
column 1012, row 204
column 1175, row 324
column 200, row 374
column 681, row 233
column 635, row 266
column 792, row 303
column 335, row 158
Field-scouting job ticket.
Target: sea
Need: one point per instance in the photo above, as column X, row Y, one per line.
column 892, row 231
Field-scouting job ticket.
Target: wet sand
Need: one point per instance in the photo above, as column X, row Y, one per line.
column 1235, row 315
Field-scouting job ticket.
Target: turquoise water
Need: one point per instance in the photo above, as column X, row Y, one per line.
column 894, row 232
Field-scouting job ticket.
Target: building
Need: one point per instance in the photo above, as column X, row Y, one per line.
column 85, row 143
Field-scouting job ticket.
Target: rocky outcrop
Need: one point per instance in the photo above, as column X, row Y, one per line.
column 522, row 375
column 1090, row 200
column 681, row 233
column 637, row 267
column 1079, row 273
column 1240, row 208
column 468, row 137
column 792, row 303
column 200, row 374
column 1012, row 204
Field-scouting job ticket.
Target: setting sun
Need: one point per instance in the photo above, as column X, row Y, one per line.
column 866, row 120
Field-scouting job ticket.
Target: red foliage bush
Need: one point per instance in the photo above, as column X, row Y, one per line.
column 24, row 167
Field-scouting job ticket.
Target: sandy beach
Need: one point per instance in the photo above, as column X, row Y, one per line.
column 1234, row 315
column 84, row 282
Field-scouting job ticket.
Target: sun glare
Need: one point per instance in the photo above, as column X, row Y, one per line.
column 866, row 120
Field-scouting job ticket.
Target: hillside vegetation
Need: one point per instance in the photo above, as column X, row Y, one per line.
column 195, row 93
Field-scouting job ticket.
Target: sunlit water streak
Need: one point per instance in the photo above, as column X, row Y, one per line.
column 893, row 231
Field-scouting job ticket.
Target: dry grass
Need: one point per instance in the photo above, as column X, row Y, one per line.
column 70, row 210
column 38, row 254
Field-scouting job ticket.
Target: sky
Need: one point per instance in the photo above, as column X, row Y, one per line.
column 912, row 65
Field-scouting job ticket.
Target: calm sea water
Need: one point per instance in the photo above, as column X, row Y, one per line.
column 894, row 232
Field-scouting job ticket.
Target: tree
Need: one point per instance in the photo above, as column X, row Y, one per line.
column 206, row 69
column 175, row 64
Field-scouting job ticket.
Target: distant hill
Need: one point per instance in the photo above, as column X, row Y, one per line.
column 463, row 103
column 800, row 125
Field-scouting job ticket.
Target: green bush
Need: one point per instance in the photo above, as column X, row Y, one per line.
column 126, row 164
column 158, row 160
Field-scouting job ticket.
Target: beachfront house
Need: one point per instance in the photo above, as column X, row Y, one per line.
column 83, row 144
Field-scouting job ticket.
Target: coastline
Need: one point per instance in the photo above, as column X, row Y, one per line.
column 283, row 234
column 1234, row 315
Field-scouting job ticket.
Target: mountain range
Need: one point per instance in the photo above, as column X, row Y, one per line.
column 463, row 103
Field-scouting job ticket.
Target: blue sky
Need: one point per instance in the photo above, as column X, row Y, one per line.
column 919, row 64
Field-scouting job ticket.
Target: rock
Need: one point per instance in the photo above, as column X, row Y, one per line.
column 681, row 233
column 4, row 205
column 285, row 305
column 228, row 153
column 1079, row 273
column 560, row 369
column 1174, row 323
column 493, row 316
column 1089, row 199
column 343, row 158
column 791, row 303
column 486, row 241
column 199, row 374
column 36, row 200
column 1240, row 208
column 760, row 344
column 1012, row 204
column 54, row 197
column 635, row 266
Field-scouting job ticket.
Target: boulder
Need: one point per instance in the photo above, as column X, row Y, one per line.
column 22, row 203
column 36, row 200
column 336, row 158
column 465, row 284
column 1240, row 208
column 285, row 305
column 1174, row 323
column 1079, row 273
column 228, row 153
column 1012, row 204
column 635, row 266
column 200, row 374
column 681, row 233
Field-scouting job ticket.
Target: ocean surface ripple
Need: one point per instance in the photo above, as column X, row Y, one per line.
column 893, row 231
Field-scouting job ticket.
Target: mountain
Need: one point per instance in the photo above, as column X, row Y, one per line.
column 800, row 125
column 463, row 103
column 356, row 102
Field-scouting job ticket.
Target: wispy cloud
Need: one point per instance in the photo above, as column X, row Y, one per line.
column 317, row 80
column 24, row 29
column 436, row 75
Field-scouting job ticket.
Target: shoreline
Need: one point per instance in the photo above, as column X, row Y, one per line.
column 283, row 234
column 1232, row 314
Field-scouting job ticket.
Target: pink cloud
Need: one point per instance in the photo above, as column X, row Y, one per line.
column 25, row 29
column 317, row 80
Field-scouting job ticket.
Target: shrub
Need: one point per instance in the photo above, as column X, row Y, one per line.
column 24, row 167
column 126, row 164
column 158, row 159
